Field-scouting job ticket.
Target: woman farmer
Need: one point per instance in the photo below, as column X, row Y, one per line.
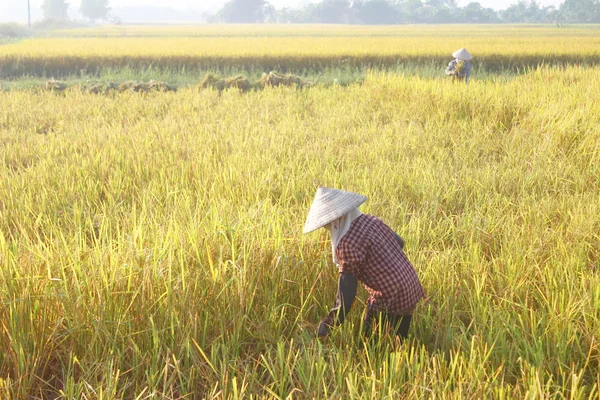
column 365, row 249
column 460, row 68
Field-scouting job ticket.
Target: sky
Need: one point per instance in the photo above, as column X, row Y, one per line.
column 11, row 10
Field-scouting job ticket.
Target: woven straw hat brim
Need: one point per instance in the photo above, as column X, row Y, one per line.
column 462, row 54
column 330, row 204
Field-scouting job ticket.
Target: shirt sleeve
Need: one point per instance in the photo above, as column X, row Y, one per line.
column 351, row 255
column 347, row 285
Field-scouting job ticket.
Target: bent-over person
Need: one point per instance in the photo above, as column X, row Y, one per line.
column 365, row 249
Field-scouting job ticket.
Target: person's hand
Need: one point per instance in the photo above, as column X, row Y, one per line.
column 324, row 327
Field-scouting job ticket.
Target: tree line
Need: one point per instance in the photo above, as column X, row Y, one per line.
column 408, row 12
column 91, row 9
column 371, row 12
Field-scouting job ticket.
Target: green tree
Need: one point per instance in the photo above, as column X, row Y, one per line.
column 331, row 12
column 288, row 15
column 439, row 4
column 410, row 7
column 530, row 11
column 581, row 11
column 243, row 11
column 520, row 11
column 55, row 9
column 475, row 13
column 94, row 9
column 375, row 12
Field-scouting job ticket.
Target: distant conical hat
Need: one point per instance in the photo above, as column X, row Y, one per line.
column 329, row 205
column 462, row 54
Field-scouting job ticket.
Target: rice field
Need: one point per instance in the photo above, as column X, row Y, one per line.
column 294, row 49
column 151, row 245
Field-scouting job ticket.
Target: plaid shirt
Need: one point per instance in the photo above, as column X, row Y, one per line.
column 371, row 252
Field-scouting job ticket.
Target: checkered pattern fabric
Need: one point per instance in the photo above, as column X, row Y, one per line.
column 371, row 252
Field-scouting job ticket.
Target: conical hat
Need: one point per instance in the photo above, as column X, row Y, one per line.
column 462, row 54
column 329, row 205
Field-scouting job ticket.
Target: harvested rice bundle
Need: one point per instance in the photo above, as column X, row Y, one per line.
column 212, row 81
column 239, row 82
column 54, row 85
column 274, row 79
column 131, row 86
column 128, row 86
column 157, row 86
column 101, row 87
column 270, row 79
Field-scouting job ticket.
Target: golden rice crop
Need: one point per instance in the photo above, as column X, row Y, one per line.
column 151, row 246
column 494, row 49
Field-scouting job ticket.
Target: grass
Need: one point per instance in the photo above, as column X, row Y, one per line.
column 151, row 244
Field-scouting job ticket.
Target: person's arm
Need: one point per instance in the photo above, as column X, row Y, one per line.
column 351, row 253
column 451, row 69
column 346, row 293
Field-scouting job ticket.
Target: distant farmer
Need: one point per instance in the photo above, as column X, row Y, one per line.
column 460, row 68
column 365, row 249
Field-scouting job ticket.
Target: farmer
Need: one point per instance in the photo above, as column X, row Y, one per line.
column 460, row 68
column 365, row 249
